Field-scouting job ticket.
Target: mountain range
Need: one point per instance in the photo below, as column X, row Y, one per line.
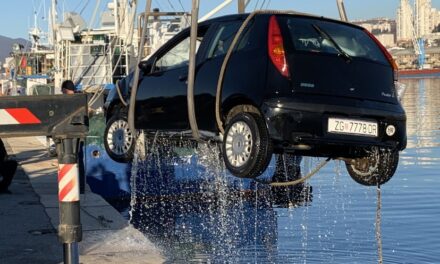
column 6, row 46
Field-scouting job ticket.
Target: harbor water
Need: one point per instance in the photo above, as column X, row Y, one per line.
column 331, row 219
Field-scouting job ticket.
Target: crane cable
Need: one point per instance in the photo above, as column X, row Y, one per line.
column 218, row 116
column 92, row 21
column 378, row 225
column 298, row 181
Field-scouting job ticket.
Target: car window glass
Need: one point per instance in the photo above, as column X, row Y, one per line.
column 351, row 40
column 223, row 38
column 177, row 56
column 245, row 41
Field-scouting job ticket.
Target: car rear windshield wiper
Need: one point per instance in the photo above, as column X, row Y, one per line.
column 324, row 34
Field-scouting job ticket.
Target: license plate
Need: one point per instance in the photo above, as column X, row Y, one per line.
column 352, row 127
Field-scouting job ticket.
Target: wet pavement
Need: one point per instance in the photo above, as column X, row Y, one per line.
column 29, row 217
column 26, row 234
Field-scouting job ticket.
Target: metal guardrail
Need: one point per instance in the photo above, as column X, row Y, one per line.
column 44, row 115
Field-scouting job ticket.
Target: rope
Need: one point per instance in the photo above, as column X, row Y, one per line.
column 136, row 71
column 262, row 4
column 84, row 8
column 92, row 21
column 378, row 226
column 268, row 4
column 113, row 42
column 228, row 56
column 78, row 5
column 256, row 5
column 96, row 95
column 159, row 5
column 101, row 91
column 295, row 182
column 120, row 95
column 171, row 5
column 186, row 19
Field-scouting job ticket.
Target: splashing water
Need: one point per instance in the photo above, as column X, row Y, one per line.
column 186, row 216
column 187, row 183
column 188, row 204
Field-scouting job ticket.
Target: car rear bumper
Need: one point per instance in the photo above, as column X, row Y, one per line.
column 300, row 125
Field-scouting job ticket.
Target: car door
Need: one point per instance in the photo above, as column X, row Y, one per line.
column 161, row 101
column 208, row 71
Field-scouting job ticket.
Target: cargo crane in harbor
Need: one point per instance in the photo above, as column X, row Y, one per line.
column 419, row 50
column 418, row 42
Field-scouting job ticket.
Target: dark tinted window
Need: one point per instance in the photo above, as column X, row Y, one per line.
column 310, row 35
column 222, row 39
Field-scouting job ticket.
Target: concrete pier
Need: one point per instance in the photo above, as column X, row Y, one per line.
column 29, row 217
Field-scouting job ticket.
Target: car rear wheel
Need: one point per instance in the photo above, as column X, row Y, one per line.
column 376, row 168
column 119, row 140
column 247, row 149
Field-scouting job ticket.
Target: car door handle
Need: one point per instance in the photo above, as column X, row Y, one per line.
column 183, row 78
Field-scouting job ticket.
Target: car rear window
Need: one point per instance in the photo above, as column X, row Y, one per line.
column 305, row 36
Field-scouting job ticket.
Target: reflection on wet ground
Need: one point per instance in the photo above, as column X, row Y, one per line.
column 197, row 213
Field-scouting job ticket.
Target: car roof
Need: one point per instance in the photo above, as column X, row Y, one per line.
column 227, row 18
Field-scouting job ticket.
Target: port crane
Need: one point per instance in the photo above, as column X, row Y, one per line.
column 418, row 41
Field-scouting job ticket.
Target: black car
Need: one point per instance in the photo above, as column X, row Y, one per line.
column 295, row 84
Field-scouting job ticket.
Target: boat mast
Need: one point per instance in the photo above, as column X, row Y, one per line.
column 58, row 75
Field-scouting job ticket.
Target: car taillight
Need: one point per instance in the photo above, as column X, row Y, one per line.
column 276, row 48
column 385, row 52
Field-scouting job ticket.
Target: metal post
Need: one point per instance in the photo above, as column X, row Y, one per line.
column 241, row 6
column 341, row 9
column 69, row 229
column 192, row 69
column 116, row 15
column 131, row 109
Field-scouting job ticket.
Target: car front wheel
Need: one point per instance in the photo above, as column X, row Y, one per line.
column 119, row 140
column 376, row 168
column 247, row 148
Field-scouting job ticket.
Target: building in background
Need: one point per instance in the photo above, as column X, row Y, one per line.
column 383, row 28
column 419, row 22
column 404, row 22
column 422, row 17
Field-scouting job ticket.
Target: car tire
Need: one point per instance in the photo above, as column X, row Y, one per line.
column 376, row 168
column 119, row 140
column 247, row 148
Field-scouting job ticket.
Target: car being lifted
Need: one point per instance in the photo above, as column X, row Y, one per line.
column 294, row 83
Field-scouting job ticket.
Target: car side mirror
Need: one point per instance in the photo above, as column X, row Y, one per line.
column 145, row 67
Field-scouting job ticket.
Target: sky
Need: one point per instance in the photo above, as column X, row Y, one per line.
column 17, row 16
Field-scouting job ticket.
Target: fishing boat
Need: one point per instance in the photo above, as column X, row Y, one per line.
column 419, row 73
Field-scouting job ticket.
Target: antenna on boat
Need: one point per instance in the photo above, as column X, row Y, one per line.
column 34, row 32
